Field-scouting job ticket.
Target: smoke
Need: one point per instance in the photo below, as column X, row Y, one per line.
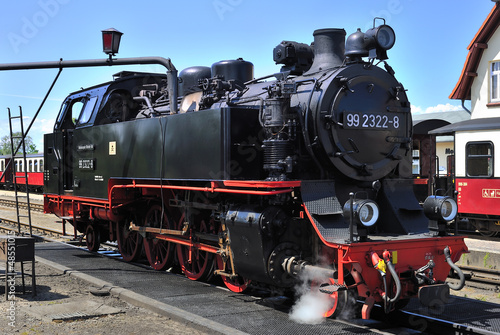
column 310, row 307
column 312, row 304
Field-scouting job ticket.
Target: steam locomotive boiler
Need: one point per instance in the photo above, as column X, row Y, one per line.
column 305, row 173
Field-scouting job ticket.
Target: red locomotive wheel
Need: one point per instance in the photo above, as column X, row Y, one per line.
column 129, row 241
column 92, row 238
column 160, row 253
column 196, row 264
column 238, row 284
column 338, row 302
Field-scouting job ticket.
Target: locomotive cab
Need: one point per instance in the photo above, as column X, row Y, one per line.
column 77, row 143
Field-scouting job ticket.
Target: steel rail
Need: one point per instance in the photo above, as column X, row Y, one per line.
column 425, row 324
column 12, row 203
column 44, row 229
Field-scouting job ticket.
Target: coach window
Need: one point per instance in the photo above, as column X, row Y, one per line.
column 479, row 156
column 41, row 165
column 495, row 82
column 30, row 166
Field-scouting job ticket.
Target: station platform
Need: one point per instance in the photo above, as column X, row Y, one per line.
column 222, row 311
column 482, row 254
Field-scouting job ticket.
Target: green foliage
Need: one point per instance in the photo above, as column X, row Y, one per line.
column 5, row 148
column 485, row 259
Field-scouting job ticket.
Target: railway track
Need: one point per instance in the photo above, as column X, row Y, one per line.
column 482, row 275
column 12, row 225
column 22, row 205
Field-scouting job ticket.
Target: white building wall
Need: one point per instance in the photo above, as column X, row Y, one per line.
column 441, row 148
column 480, row 90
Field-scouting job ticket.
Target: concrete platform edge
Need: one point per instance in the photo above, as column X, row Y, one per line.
column 146, row 302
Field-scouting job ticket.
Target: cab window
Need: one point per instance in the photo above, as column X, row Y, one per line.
column 76, row 109
column 86, row 111
column 70, row 111
column 75, row 112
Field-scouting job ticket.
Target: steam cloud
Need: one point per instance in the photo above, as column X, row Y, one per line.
column 312, row 304
column 310, row 307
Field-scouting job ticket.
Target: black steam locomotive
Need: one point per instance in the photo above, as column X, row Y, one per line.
column 258, row 181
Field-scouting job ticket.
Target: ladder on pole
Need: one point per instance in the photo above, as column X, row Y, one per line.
column 23, row 169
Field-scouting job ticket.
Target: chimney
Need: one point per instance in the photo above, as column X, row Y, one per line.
column 329, row 46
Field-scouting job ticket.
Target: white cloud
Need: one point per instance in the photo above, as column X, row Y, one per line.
column 435, row 109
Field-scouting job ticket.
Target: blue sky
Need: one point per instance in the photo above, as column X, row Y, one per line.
column 430, row 49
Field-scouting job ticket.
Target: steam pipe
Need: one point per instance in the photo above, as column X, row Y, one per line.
column 295, row 267
column 147, row 101
column 166, row 62
column 461, row 275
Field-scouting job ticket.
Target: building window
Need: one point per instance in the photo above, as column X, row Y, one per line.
column 479, row 159
column 495, row 82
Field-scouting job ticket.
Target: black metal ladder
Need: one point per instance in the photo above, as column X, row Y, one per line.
column 21, row 168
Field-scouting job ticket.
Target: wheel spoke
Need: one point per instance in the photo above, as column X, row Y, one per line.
column 158, row 252
column 129, row 242
column 93, row 238
column 196, row 264
column 238, row 284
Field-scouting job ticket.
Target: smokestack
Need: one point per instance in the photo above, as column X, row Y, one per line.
column 329, row 47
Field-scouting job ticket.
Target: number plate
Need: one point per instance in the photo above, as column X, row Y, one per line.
column 372, row 121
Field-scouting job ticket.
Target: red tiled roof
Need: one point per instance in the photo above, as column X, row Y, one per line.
column 462, row 90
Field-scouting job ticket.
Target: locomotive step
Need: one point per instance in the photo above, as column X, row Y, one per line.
column 330, row 289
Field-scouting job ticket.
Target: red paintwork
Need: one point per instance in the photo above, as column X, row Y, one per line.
column 34, row 178
column 420, row 181
column 407, row 255
column 478, row 196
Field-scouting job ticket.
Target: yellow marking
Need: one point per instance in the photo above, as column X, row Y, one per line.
column 381, row 265
column 112, row 148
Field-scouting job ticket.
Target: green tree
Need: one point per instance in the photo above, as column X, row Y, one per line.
column 28, row 141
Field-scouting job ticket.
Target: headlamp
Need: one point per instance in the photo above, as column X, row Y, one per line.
column 374, row 43
column 441, row 208
column 383, row 35
column 365, row 211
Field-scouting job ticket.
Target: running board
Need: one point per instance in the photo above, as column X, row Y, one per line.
column 324, row 210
